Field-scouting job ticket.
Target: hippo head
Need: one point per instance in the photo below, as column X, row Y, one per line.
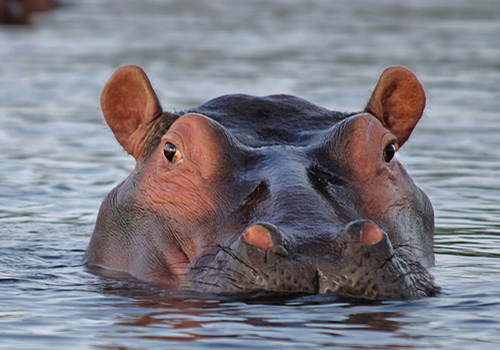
column 246, row 194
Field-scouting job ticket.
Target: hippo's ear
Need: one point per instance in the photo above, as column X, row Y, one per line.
column 130, row 105
column 398, row 102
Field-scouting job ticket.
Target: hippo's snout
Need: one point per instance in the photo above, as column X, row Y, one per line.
column 263, row 259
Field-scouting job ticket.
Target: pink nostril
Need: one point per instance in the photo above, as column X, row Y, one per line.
column 371, row 234
column 258, row 236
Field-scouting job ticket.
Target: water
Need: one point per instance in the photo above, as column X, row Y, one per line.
column 58, row 160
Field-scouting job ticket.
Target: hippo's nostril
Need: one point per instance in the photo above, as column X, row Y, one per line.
column 258, row 236
column 371, row 234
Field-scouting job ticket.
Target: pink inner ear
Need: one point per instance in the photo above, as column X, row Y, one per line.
column 258, row 236
column 129, row 103
column 398, row 101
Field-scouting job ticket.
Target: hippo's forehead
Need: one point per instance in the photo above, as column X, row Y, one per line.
column 269, row 120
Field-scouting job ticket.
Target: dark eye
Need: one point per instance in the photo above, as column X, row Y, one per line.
column 389, row 152
column 172, row 153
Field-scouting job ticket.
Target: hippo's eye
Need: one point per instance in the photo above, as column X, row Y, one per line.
column 172, row 153
column 389, row 152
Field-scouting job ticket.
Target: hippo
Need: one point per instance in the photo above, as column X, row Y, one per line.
column 19, row 11
column 246, row 194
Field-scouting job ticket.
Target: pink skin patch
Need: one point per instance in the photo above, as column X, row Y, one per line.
column 258, row 236
column 371, row 234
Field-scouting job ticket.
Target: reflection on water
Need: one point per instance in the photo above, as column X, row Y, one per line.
column 179, row 318
column 58, row 160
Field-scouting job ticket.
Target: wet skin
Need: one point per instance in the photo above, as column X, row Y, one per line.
column 246, row 194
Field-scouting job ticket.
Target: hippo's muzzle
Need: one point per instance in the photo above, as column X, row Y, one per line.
column 360, row 262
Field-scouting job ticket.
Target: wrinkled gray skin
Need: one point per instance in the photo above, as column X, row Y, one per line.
column 312, row 179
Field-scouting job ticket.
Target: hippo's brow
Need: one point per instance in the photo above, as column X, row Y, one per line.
column 334, row 139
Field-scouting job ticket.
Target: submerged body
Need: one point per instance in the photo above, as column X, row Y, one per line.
column 273, row 193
